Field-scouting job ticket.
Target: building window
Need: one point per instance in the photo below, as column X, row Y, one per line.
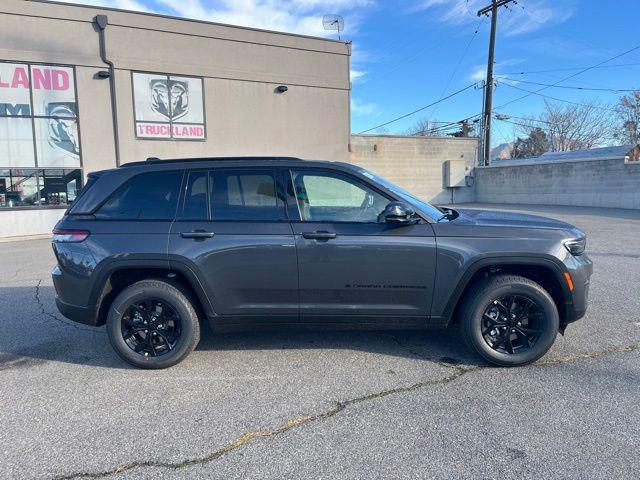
column 40, row 157
column 168, row 107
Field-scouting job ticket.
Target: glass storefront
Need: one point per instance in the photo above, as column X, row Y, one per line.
column 21, row 187
column 40, row 157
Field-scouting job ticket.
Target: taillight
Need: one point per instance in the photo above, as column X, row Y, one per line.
column 70, row 236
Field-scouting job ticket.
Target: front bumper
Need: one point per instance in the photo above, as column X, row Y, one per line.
column 580, row 268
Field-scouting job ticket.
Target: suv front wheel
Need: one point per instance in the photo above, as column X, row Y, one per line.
column 153, row 324
column 509, row 320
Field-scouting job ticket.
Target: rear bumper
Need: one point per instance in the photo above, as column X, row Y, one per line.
column 77, row 313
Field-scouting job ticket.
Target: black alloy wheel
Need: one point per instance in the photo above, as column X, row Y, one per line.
column 512, row 324
column 153, row 323
column 509, row 320
column 151, row 327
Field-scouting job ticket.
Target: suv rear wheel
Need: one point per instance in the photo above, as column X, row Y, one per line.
column 509, row 320
column 153, row 324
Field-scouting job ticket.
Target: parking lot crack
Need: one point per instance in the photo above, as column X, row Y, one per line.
column 53, row 316
column 456, row 371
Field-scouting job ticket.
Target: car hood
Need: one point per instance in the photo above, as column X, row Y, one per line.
column 491, row 218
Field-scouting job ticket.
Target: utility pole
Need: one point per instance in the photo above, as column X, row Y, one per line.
column 488, row 98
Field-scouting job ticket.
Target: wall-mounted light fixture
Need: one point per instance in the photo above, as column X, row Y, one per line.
column 103, row 74
column 282, row 89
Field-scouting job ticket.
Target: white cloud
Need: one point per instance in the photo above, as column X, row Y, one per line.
column 122, row 4
column 295, row 16
column 517, row 20
column 479, row 72
column 357, row 75
column 363, row 109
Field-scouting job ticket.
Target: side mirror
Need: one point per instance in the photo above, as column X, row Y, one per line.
column 399, row 213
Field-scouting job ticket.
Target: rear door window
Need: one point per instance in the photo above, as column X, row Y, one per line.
column 249, row 195
column 148, row 196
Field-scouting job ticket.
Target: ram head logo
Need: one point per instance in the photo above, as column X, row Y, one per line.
column 63, row 126
column 169, row 98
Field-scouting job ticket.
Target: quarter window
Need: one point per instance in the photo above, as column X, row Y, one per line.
column 196, row 197
column 328, row 197
column 149, row 196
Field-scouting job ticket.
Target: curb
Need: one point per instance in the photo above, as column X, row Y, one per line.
column 25, row 237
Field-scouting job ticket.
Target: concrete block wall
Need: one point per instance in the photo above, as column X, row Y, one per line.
column 589, row 183
column 416, row 163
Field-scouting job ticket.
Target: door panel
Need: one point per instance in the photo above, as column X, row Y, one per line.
column 242, row 246
column 357, row 268
column 246, row 268
column 366, row 269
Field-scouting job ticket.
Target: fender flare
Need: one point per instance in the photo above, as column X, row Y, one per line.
column 547, row 261
column 109, row 267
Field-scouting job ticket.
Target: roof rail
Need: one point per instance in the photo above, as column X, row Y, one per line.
column 156, row 160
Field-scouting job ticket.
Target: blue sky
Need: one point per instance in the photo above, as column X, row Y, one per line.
column 409, row 53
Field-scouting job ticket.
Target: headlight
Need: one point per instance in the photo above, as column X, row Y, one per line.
column 577, row 246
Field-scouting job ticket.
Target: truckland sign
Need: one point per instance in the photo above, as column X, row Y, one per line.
column 168, row 106
column 38, row 108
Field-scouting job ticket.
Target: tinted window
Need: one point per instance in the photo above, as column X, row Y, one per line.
column 245, row 195
column 329, row 197
column 149, row 196
column 196, row 197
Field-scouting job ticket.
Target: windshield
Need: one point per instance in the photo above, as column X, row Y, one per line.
column 421, row 205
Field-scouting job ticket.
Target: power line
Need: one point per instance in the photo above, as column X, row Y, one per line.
column 419, row 109
column 504, row 117
column 515, row 123
column 569, row 77
column 552, row 70
column 569, row 87
column 530, row 92
column 449, row 125
column 455, row 70
column 491, row 9
column 407, row 59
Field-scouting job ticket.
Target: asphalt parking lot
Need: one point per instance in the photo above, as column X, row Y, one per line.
column 324, row 404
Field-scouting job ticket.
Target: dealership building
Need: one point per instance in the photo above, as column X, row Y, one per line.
column 85, row 88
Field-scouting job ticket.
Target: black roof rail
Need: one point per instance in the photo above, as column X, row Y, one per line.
column 156, row 160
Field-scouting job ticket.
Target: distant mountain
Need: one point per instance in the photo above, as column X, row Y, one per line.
column 502, row 151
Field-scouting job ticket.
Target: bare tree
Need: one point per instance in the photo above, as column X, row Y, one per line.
column 627, row 130
column 571, row 127
column 424, row 128
column 434, row 128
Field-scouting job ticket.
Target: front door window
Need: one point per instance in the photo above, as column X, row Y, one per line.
column 331, row 197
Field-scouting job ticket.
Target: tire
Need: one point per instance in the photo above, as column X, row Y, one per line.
column 164, row 347
column 484, row 312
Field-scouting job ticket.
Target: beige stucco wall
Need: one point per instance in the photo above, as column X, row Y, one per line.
column 416, row 163
column 241, row 69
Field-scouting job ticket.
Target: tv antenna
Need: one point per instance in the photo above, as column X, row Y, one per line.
column 333, row 22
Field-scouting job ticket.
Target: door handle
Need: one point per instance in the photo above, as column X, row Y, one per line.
column 319, row 235
column 196, row 234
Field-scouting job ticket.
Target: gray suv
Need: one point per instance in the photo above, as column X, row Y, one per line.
column 153, row 248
